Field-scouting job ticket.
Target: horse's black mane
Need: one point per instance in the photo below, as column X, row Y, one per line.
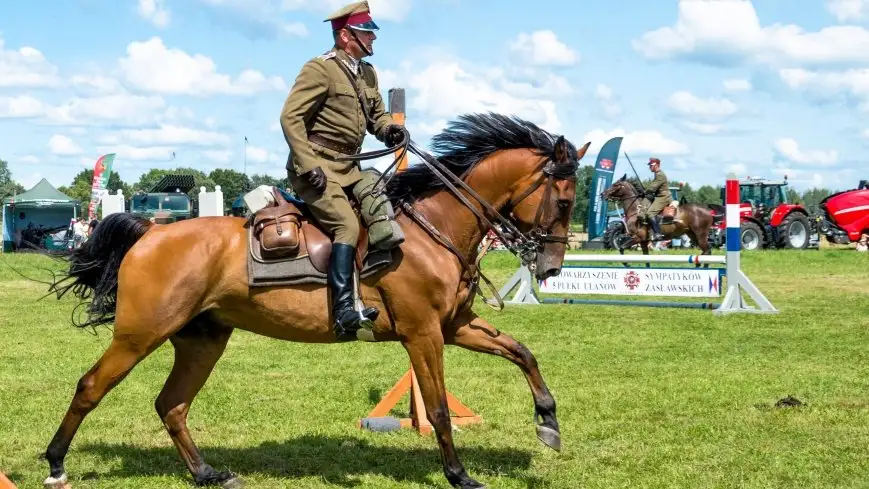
column 464, row 143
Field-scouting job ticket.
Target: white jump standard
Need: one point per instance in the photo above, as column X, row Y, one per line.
column 667, row 282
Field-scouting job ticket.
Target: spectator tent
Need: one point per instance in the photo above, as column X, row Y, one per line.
column 41, row 205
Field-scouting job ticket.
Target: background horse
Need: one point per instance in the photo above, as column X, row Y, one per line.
column 695, row 220
column 200, row 292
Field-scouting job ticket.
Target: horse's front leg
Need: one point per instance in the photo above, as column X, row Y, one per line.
column 476, row 334
column 426, row 351
column 645, row 246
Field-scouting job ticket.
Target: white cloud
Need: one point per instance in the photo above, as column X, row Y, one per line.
column 121, row 108
column 154, row 11
column 445, row 89
column 542, row 48
column 729, row 31
column 63, row 146
column 394, row 10
column 689, row 105
column 702, row 128
column 20, row 107
column 865, row 134
column 790, row 150
column 737, row 85
column 609, row 103
column 851, row 82
column 737, row 168
column 165, row 134
column 258, row 155
column 848, row 10
column 26, row 67
column 151, row 66
column 97, row 84
column 638, row 142
column 218, row 155
column 126, row 152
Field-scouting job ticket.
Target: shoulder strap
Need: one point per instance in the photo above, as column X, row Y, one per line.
column 362, row 100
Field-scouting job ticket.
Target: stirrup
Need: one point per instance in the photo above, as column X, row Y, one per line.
column 367, row 315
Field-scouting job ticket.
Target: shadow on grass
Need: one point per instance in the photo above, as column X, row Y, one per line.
column 335, row 459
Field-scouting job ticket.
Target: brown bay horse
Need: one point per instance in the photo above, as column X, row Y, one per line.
column 694, row 220
column 199, row 293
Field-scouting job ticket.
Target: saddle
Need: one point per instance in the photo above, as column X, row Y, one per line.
column 288, row 246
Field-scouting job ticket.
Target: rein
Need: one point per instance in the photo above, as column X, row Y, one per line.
column 523, row 245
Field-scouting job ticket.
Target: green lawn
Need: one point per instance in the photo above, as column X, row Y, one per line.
column 647, row 398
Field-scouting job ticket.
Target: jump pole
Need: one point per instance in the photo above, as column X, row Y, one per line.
column 737, row 281
column 378, row 419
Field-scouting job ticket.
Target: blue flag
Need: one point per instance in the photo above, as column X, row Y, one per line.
column 604, row 169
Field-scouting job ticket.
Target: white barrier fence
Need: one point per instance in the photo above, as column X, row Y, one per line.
column 112, row 204
column 210, row 203
column 586, row 278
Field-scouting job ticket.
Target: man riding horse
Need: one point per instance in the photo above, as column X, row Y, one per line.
column 659, row 193
column 334, row 100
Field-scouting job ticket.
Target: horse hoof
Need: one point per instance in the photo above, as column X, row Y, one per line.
column 233, row 483
column 549, row 437
column 472, row 484
column 57, row 483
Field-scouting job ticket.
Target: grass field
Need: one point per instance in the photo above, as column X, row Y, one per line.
column 647, row 398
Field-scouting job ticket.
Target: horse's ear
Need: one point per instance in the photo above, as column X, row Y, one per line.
column 582, row 150
column 561, row 150
column 624, row 177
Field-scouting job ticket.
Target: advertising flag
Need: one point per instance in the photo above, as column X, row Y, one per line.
column 604, row 169
column 102, row 171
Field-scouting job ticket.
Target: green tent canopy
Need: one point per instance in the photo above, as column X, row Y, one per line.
column 43, row 205
column 43, row 194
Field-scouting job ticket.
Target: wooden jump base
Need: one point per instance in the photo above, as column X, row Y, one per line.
column 5, row 483
column 737, row 281
column 417, row 419
column 378, row 419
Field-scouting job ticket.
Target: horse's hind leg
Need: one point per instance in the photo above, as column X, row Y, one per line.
column 476, row 334
column 118, row 360
column 702, row 243
column 198, row 346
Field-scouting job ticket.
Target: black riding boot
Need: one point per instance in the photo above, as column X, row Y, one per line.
column 656, row 228
column 340, row 280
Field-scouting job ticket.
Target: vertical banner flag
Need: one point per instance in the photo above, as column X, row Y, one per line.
column 604, row 169
column 102, row 171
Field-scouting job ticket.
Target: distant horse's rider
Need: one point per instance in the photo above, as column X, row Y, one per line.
column 322, row 119
column 658, row 193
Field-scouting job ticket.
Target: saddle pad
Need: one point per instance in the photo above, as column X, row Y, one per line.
column 300, row 270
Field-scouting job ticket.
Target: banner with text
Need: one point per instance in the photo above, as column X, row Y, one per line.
column 604, row 169
column 677, row 282
column 100, row 184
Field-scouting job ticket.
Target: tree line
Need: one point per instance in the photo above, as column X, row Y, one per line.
column 234, row 183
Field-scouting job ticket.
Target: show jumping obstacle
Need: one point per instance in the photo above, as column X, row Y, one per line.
column 670, row 282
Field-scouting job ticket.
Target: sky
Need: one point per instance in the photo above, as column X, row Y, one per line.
column 766, row 89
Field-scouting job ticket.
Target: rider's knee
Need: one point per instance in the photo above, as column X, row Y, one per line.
column 347, row 232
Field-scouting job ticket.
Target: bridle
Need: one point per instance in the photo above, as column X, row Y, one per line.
column 526, row 246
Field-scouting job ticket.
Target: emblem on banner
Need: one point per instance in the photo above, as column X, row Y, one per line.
column 632, row 280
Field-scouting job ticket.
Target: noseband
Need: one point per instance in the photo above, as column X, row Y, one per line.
column 526, row 246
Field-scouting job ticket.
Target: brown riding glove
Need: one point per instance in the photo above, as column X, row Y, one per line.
column 316, row 178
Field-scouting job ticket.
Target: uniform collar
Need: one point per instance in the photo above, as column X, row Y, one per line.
column 349, row 61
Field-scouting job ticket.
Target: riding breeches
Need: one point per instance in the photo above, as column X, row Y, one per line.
column 657, row 206
column 332, row 209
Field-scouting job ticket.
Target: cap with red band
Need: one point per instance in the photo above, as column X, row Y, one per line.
column 355, row 16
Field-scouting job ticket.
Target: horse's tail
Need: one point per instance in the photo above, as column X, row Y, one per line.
column 93, row 268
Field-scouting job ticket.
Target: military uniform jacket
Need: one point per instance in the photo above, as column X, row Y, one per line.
column 322, row 102
column 661, row 188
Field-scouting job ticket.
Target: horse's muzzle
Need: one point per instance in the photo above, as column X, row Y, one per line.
column 544, row 273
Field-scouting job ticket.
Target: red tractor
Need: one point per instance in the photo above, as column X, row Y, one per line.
column 767, row 219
